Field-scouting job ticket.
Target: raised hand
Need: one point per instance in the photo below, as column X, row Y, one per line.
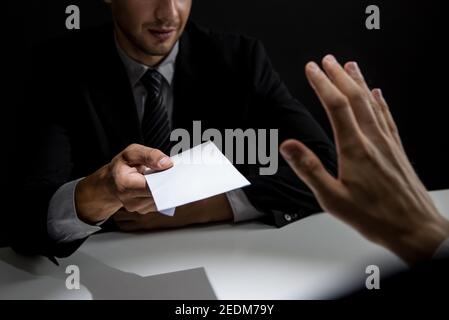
column 377, row 191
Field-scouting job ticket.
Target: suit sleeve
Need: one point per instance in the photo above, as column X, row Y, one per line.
column 283, row 195
column 43, row 159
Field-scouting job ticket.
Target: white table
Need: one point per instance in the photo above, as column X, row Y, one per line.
column 316, row 257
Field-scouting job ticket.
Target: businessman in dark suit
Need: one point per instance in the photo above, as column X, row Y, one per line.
column 101, row 107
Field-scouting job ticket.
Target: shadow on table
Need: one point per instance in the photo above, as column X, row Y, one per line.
column 24, row 277
column 119, row 236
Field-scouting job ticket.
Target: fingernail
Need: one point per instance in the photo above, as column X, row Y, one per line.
column 381, row 94
column 354, row 68
column 289, row 151
column 313, row 67
column 377, row 93
column 330, row 59
column 164, row 161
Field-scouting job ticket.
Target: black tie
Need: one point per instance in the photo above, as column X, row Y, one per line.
column 155, row 123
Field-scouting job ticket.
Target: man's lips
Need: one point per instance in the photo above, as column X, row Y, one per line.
column 162, row 34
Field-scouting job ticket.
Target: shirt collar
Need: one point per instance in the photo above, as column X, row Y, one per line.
column 136, row 70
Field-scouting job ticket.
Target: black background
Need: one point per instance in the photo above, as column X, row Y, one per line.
column 406, row 58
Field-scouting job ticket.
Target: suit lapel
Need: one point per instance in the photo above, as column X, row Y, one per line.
column 186, row 84
column 198, row 83
column 112, row 97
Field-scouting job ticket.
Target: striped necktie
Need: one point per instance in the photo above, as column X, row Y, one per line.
column 155, row 123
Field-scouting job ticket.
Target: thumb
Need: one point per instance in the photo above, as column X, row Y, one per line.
column 139, row 155
column 309, row 168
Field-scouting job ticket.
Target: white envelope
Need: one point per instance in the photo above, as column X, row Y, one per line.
column 197, row 174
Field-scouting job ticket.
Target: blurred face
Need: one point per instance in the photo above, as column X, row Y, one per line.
column 148, row 29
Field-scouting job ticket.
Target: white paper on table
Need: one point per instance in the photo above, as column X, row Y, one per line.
column 197, row 174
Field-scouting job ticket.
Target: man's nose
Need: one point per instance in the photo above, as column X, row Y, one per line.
column 166, row 10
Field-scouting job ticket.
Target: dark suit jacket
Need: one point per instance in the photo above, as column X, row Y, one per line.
column 80, row 113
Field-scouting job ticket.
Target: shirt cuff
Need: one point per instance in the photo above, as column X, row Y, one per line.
column 63, row 224
column 442, row 251
column 241, row 207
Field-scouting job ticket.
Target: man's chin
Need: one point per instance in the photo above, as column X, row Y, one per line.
column 159, row 49
column 159, row 53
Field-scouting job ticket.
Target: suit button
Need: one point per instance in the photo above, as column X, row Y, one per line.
column 287, row 217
